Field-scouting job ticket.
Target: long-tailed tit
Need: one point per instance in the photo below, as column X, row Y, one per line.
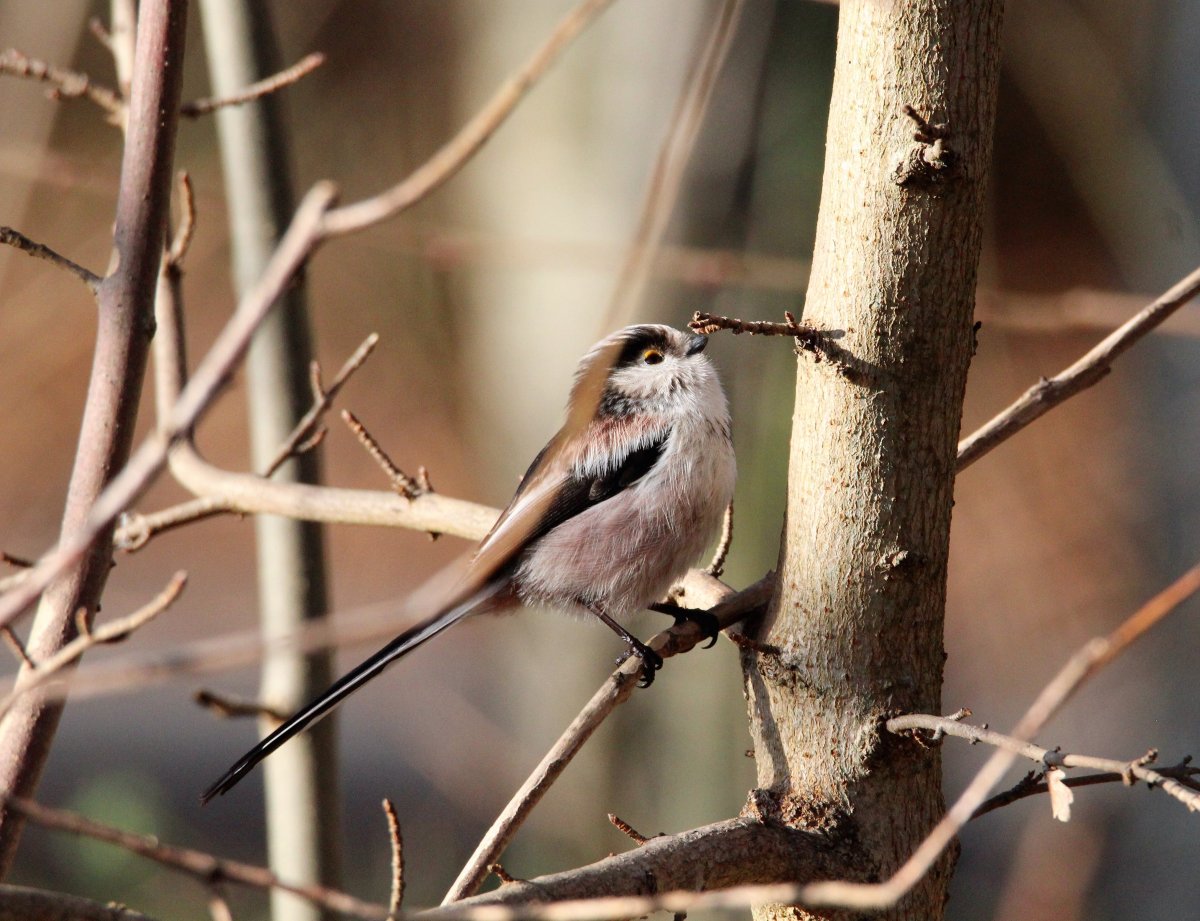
column 616, row 507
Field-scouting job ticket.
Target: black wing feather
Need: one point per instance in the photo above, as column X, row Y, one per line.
column 580, row 492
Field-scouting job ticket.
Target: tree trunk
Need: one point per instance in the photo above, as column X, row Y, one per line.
column 859, row 613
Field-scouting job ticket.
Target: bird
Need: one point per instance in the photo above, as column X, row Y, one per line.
column 610, row 514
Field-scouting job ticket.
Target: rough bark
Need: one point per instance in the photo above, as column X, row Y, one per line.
column 126, row 324
column 716, row 856
column 858, row 618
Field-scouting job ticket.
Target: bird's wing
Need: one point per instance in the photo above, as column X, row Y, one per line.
column 564, row 480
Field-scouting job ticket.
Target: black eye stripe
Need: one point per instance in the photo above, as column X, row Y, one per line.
column 641, row 339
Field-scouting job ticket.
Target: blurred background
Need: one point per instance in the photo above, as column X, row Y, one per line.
column 486, row 295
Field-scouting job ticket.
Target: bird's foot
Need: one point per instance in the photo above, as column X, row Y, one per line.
column 651, row 661
column 709, row 628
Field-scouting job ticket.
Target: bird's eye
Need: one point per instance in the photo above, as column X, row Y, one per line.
column 652, row 356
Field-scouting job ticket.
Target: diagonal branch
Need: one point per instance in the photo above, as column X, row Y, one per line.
column 256, row 90
column 10, row 237
column 1088, row 370
column 727, row 607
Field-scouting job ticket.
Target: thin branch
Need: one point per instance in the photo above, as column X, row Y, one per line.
column 136, row 528
column 670, row 166
column 307, row 428
column 817, row 342
column 626, row 829
column 64, row 84
column 228, row 707
column 454, row 154
column 114, row 631
column 13, row 642
column 1052, row 758
column 728, row 608
column 256, row 90
column 1088, row 370
column 402, row 483
column 716, row 568
column 206, row 868
column 1033, row 784
column 218, row 905
column 396, row 898
column 181, row 239
column 10, row 237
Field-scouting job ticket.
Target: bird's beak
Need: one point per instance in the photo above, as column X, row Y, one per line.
column 696, row 346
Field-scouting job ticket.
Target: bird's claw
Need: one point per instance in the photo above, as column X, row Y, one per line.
column 651, row 662
column 709, row 627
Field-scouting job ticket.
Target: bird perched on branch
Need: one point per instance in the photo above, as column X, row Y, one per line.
column 616, row 507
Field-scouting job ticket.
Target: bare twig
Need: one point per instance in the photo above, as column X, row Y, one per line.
column 817, row 342
column 626, row 829
column 306, row 429
column 218, row 905
column 10, row 237
column 728, row 608
column 1088, row 370
column 402, row 483
column 396, row 898
column 112, row 632
column 13, row 642
column 227, row 707
column 1119, row 770
column 256, row 90
column 1034, row 785
column 64, row 84
column 716, row 568
column 206, row 868
column 497, row 870
column 671, row 165
column 136, row 529
column 181, row 239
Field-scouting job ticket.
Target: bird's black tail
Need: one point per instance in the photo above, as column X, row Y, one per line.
column 349, row 683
